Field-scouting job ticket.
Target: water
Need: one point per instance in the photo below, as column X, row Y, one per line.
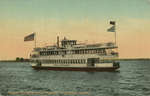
column 132, row 80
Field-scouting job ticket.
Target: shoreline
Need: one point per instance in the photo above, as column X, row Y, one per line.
column 119, row 59
column 12, row 61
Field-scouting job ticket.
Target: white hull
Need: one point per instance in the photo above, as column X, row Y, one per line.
column 74, row 65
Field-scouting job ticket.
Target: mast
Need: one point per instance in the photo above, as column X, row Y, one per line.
column 113, row 29
column 115, row 34
column 34, row 39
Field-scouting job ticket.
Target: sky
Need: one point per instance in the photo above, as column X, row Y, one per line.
column 84, row 20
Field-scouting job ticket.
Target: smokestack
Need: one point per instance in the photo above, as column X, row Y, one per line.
column 57, row 41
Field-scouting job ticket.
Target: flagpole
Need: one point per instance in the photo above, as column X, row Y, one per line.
column 115, row 35
column 113, row 29
column 35, row 40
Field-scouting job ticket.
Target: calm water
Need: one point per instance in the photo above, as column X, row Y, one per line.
column 132, row 80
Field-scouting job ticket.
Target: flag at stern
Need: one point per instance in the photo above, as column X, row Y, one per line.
column 29, row 37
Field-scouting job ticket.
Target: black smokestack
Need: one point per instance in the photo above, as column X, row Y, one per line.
column 57, row 41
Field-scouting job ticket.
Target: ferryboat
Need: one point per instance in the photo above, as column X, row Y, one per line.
column 69, row 55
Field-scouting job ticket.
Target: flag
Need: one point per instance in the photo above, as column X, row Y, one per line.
column 112, row 22
column 111, row 29
column 29, row 37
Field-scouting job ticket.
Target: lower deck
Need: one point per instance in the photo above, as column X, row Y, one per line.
column 77, row 68
column 74, row 65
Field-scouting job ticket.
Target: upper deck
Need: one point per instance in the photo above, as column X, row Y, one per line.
column 70, row 47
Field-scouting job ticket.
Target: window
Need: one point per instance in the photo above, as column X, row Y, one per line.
column 70, row 61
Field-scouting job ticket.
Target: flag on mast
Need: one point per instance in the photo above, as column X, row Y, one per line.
column 111, row 29
column 29, row 37
column 112, row 22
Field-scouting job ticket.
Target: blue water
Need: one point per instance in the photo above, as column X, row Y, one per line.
column 132, row 80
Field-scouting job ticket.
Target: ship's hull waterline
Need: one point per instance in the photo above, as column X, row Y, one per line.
column 90, row 69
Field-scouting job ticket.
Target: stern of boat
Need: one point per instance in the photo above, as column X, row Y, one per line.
column 116, row 65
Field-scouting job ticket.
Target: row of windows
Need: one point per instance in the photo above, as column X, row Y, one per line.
column 65, row 61
column 103, row 52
